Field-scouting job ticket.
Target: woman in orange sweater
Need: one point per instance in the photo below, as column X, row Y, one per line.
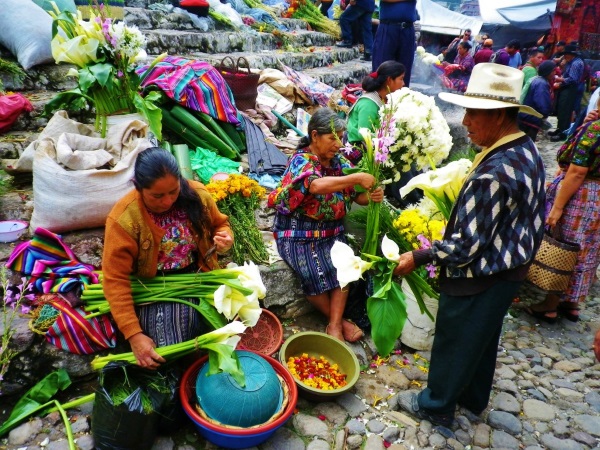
column 166, row 224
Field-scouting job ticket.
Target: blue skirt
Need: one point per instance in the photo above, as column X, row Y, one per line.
column 305, row 245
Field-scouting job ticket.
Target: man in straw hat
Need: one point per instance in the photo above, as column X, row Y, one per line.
column 492, row 235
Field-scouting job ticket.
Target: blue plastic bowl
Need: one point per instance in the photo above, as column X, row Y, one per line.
column 237, row 438
column 232, row 441
column 225, row 401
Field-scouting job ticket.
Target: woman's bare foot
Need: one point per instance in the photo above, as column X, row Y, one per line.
column 351, row 331
column 335, row 331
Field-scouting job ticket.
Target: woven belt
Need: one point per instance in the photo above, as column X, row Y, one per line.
column 309, row 233
column 396, row 22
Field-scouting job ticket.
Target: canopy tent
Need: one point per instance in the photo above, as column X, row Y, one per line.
column 434, row 18
column 526, row 14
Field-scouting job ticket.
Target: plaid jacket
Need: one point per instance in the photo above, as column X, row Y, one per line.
column 497, row 223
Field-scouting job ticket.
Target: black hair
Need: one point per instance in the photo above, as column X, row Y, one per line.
column 323, row 121
column 155, row 163
column 465, row 45
column 514, row 43
column 533, row 52
column 388, row 69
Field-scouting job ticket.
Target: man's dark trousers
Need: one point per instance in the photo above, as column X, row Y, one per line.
column 463, row 357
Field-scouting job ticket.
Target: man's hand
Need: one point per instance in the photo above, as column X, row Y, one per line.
column 406, row 264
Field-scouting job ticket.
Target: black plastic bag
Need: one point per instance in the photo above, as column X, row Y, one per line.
column 130, row 423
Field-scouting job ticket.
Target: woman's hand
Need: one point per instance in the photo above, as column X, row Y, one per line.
column 223, row 241
column 593, row 115
column 554, row 216
column 143, row 347
column 364, row 197
column 406, row 264
column 365, row 180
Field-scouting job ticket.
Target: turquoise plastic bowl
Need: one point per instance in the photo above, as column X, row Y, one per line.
column 225, row 401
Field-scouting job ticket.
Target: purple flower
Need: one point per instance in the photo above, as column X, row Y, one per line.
column 348, row 149
column 425, row 243
column 431, row 270
column 25, row 309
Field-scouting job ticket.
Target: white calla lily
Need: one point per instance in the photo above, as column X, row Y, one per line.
column 390, row 249
column 229, row 301
column 250, row 313
column 249, row 276
column 227, row 335
column 349, row 266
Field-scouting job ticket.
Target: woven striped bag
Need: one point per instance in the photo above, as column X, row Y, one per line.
column 553, row 265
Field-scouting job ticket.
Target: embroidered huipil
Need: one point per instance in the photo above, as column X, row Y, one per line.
column 583, row 150
column 293, row 194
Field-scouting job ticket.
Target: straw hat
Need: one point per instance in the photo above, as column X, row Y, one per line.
column 492, row 86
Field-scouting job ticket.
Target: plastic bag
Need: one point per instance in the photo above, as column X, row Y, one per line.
column 11, row 107
column 206, row 163
column 227, row 11
column 146, row 394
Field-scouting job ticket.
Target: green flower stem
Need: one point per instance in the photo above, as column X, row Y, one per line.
column 68, row 429
column 75, row 403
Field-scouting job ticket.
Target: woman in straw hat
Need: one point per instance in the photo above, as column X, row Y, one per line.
column 493, row 232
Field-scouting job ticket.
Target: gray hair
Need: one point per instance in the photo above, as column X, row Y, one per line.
column 323, row 121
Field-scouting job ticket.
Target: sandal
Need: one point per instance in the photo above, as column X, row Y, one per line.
column 355, row 334
column 340, row 338
column 569, row 313
column 541, row 315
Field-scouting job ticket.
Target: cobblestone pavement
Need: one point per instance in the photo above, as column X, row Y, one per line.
column 545, row 395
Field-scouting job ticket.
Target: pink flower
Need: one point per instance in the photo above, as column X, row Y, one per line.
column 425, row 243
column 431, row 270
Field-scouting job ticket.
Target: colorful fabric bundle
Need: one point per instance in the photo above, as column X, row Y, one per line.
column 194, row 84
column 76, row 334
column 50, row 265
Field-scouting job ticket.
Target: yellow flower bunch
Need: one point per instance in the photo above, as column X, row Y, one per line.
column 411, row 223
column 239, row 196
column 235, row 184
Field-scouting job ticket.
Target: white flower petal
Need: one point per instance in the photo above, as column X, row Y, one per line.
column 390, row 249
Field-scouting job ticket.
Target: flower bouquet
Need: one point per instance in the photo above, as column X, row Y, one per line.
column 238, row 196
column 418, row 133
column 413, row 132
column 104, row 53
column 228, row 299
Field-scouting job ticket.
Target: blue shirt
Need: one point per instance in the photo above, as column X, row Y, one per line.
column 400, row 11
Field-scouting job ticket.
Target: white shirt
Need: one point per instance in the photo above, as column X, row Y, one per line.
column 593, row 101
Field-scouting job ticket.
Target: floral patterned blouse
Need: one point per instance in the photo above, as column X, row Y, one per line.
column 177, row 248
column 293, row 195
column 583, row 149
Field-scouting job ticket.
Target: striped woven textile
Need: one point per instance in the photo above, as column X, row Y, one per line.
column 114, row 8
column 76, row 334
column 194, row 84
column 50, row 264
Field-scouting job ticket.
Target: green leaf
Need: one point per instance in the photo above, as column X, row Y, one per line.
column 103, row 73
column 73, row 100
column 147, row 106
column 36, row 399
column 221, row 358
column 387, row 314
column 212, row 316
column 351, row 170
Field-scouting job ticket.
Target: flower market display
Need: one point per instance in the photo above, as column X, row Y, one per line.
column 307, row 11
column 413, row 133
column 239, row 197
column 105, row 53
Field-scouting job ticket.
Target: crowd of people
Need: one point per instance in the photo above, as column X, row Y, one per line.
column 169, row 224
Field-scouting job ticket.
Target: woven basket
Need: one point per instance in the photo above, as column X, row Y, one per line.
column 553, row 265
column 243, row 83
column 265, row 337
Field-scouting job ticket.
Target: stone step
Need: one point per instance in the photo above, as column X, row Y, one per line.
column 338, row 75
